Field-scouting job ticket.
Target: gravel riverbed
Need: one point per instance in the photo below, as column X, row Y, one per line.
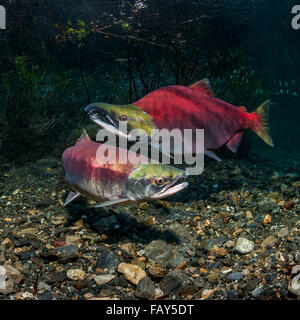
column 232, row 234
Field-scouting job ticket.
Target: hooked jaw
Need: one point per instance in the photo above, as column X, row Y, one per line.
column 97, row 113
column 171, row 189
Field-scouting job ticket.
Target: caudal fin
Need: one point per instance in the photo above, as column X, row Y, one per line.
column 263, row 130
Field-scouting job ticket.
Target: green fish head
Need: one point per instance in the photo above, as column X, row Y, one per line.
column 155, row 181
column 110, row 117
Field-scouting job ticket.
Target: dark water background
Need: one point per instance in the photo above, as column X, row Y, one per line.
column 57, row 56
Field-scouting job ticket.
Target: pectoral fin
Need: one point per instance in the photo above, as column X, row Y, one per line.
column 111, row 202
column 211, row 154
column 235, row 141
column 71, row 196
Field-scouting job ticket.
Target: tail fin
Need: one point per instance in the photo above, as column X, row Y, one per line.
column 264, row 131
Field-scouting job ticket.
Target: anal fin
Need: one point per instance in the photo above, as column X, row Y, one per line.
column 235, row 141
column 71, row 196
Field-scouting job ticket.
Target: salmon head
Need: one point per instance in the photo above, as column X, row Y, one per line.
column 155, row 181
column 110, row 117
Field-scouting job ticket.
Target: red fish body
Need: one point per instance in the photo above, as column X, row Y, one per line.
column 189, row 108
column 193, row 107
column 90, row 175
column 90, row 178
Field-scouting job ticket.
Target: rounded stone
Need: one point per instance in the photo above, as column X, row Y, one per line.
column 75, row 274
column 244, row 245
column 132, row 272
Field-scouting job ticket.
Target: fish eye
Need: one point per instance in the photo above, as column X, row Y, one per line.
column 160, row 181
column 123, row 117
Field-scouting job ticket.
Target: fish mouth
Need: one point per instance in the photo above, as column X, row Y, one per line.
column 171, row 189
column 104, row 120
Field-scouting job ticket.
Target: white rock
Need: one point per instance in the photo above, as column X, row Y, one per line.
column 244, row 245
column 103, row 278
column 75, row 274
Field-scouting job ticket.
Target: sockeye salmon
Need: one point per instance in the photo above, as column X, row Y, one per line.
column 109, row 183
column 193, row 107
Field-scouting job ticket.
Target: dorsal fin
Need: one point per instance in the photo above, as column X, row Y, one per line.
column 243, row 108
column 203, row 86
column 84, row 137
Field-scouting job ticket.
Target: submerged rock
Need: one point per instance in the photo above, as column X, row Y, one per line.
column 234, row 276
column 103, row 278
column 145, row 288
column 132, row 272
column 173, row 282
column 67, row 253
column 159, row 251
column 107, row 259
column 75, row 274
column 244, row 245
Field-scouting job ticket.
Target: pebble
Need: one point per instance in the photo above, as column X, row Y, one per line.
column 59, row 276
column 267, row 218
column 27, row 231
column 120, row 281
column 256, row 292
column 73, row 239
column 27, row 295
column 218, row 242
column 103, row 278
column 80, row 284
column 179, row 231
column 217, row 252
column 7, row 242
column 283, row 232
column 107, row 259
column 159, row 251
column 249, row 215
column 244, row 246
column 144, row 206
column 13, row 274
column 43, row 286
column 47, row 295
column 145, row 288
column 156, row 272
column 7, row 288
column 173, row 282
column 131, row 272
column 206, row 293
column 67, row 253
column 268, row 242
column 266, row 207
column 234, row 276
column 75, row 274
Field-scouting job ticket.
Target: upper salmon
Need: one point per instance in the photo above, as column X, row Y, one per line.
column 193, row 107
